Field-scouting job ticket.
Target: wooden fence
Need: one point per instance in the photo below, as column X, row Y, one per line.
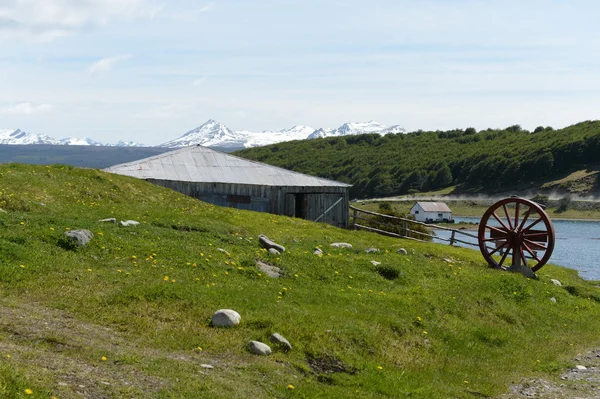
column 404, row 228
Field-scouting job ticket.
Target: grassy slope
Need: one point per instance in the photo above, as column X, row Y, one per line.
column 143, row 296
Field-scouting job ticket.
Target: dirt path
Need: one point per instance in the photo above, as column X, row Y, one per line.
column 581, row 382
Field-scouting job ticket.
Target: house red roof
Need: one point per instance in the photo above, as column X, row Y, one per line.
column 434, row 206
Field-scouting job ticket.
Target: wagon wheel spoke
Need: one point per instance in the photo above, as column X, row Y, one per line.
column 499, row 248
column 524, row 219
column 492, row 239
column 504, row 232
column 500, row 221
column 503, row 258
column 516, row 214
column 532, row 224
column 535, row 245
column 532, row 253
column 507, row 217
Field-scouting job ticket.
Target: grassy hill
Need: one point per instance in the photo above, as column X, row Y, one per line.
column 488, row 161
column 128, row 315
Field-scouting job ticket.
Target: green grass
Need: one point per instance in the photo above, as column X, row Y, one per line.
column 142, row 297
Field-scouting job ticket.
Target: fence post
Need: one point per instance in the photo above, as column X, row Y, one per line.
column 354, row 218
column 452, row 237
column 405, row 229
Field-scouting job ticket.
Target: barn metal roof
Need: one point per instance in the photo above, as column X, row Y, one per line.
column 202, row 164
column 434, row 206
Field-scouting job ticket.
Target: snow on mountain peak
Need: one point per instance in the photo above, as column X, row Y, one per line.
column 357, row 128
column 210, row 133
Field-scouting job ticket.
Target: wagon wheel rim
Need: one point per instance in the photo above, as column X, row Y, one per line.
column 516, row 226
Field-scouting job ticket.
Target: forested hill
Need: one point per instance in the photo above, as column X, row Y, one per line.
column 485, row 161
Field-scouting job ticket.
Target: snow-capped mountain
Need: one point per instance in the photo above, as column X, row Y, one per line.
column 12, row 136
column 267, row 137
column 211, row 133
column 76, row 141
column 215, row 134
column 19, row 137
column 357, row 128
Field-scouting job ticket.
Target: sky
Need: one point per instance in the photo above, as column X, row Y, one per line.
column 151, row 70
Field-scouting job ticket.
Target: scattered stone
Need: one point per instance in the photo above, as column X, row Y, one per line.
column 580, row 367
column 207, row 366
column 448, row 260
column 341, row 245
column 265, row 242
column 129, row 223
column 222, row 250
column 556, row 282
column 79, row 237
column 273, row 251
column 375, row 263
column 109, row 220
column 402, row 251
column 281, row 341
column 318, row 251
column 226, row 318
column 371, row 250
column 553, row 299
column 269, row 270
column 258, row 348
column 3, row 211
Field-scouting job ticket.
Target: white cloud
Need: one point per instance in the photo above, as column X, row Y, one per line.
column 26, row 108
column 106, row 64
column 46, row 20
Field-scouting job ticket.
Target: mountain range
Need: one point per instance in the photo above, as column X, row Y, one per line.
column 216, row 135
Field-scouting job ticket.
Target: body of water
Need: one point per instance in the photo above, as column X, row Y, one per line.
column 577, row 245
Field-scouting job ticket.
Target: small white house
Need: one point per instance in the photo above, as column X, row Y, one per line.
column 431, row 212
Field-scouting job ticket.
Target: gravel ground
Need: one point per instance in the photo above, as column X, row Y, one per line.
column 579, row 382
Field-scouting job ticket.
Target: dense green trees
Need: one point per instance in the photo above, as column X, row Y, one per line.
column 488, row 160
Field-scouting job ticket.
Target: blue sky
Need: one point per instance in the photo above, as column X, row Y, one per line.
column 150, row 70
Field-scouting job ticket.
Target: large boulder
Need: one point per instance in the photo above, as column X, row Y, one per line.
column 279, row 340
column 258, row 348
column 225, row 318
column 266, row 243
column 79, row 237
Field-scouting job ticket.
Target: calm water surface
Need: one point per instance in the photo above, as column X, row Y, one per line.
column 577, row 245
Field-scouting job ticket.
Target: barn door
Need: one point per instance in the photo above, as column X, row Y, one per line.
column 300, row 205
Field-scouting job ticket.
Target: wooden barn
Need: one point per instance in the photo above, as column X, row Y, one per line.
column 227, row 180
column 430, row 212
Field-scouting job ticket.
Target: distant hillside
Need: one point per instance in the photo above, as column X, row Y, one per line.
column 486, row 161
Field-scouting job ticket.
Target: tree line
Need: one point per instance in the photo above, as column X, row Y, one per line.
column 476, row 161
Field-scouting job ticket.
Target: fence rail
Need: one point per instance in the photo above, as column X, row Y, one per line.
column 456, row 236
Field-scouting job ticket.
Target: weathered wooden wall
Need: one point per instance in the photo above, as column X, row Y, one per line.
column 280, row 200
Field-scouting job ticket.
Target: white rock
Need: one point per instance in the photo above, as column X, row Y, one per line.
column 375, row 263
column 126, row 223
column 259, row 348
column 402, row 251
column 109, row 220
column 553, row 299
column 207, row 366
column 273, row 251
column 580, row 367
column 226, row 318
column 318, row 251
column 341, row 245
column 371, row 250
column 556, row 282
column 280, row 340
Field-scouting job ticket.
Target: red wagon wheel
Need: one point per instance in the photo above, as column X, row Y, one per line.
column 518, row 229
